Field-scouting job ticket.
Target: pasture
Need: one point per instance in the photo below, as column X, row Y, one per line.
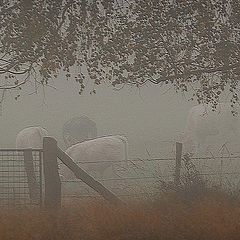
column 214, row 217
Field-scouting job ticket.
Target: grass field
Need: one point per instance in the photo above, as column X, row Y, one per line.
column 169, row 218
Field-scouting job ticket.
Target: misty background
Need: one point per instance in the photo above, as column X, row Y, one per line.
column 151, row 117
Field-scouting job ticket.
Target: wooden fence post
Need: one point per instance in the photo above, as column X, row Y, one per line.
column 32, row 181
column 178, row 164
column 52, row 199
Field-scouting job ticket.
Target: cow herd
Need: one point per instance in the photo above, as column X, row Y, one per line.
column 206, row 132
column 82, row 143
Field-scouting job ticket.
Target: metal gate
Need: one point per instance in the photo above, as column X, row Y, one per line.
column 21, row 177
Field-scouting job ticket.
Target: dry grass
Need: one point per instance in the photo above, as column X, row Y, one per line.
column 214, row 217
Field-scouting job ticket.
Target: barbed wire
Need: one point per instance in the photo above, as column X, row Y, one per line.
column 99, row 196
column 215, row 158
column 152, row 160
column 122, row 161
column 118, row 179
column 156, row 177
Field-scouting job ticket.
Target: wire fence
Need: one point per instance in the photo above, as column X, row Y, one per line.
column 133, row 179
column 14, row 180
column 142, row 178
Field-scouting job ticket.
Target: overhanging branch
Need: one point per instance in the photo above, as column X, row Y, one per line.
column 196, row 72
column 9, row 87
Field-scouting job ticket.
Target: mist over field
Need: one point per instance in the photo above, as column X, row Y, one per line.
column 119, row 119
column 150, row 116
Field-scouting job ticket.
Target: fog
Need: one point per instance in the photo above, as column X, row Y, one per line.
column 150, row 117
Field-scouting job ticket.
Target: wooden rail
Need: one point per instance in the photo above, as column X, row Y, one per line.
column 86, row 178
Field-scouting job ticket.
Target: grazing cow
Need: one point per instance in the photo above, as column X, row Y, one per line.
column 208, row 130
column 78, row 129
column 31, row 137
column 99, row 150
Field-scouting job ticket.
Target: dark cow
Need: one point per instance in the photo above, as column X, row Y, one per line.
column 79, row 129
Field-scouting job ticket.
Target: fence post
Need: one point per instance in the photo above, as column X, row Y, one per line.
column 52, row 199
column 178, row 164
column 32, row 181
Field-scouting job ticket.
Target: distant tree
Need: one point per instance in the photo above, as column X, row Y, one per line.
column 192, row 45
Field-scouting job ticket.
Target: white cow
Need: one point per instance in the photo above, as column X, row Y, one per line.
column 31, row 137
column 99, row 150
column 209, row 131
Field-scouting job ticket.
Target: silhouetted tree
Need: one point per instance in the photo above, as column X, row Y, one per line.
column 191, row 45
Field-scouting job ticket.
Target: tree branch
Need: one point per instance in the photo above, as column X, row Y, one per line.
column 8, row 87
column 196, row 72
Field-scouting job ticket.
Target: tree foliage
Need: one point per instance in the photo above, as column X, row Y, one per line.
column 191, row 45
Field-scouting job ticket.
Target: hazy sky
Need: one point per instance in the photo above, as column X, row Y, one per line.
column 148, row 116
